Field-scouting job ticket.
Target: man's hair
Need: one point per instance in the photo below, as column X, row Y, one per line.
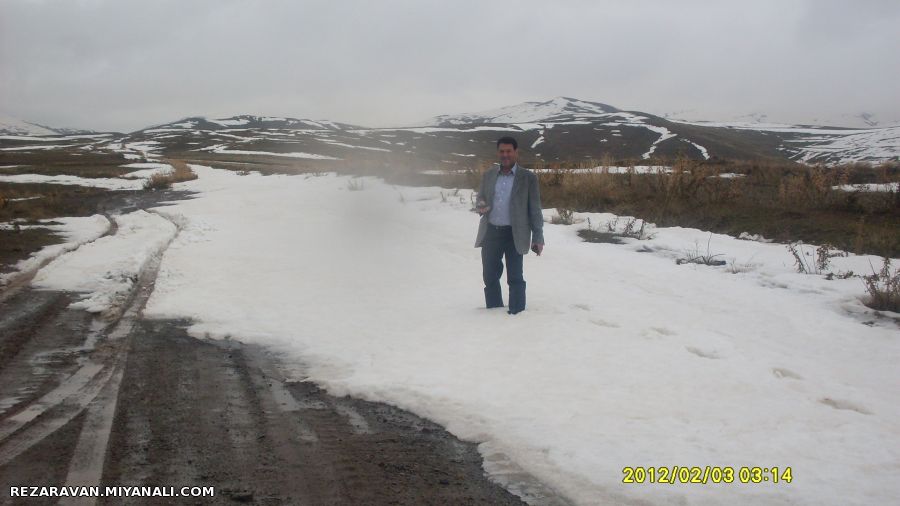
column 507, row 140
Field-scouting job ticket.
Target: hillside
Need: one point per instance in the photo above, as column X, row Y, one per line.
column 562, row 129
column 15, row 126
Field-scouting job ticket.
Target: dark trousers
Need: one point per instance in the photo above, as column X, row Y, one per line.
column 498, row 242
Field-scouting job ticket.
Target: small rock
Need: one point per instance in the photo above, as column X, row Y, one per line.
column 239, row 495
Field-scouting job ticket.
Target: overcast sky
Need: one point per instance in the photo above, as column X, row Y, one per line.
column 123, row 65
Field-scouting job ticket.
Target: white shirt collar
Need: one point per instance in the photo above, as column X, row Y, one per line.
column 513, row 170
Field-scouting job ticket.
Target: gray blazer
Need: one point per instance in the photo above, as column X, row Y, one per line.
column 525, row 214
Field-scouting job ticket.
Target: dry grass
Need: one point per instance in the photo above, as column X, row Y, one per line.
column 783, row 201
column 76, row 162
column 182, row 172
column 53, row 200
column 697, row 256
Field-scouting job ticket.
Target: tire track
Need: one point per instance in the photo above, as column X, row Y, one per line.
column 86, row 466
column 93, row 388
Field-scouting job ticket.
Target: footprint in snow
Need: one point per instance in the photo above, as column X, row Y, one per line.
column 657, row 332
column 842, row 404
column 782, row 373
column 702, row 353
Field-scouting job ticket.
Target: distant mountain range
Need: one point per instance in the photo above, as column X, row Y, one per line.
column 249, row 121
column 562, row 128
column 13, row 126
column 859, row 120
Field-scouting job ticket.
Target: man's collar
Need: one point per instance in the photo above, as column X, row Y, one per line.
column 513, row 170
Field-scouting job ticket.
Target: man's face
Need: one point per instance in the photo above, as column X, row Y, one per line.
column 508, row 155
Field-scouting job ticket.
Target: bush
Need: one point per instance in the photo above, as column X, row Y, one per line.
column 883, row 288
column 563, row 217
column 355, row 185
column 824, row 254
column 158, row 181
column 181, row 171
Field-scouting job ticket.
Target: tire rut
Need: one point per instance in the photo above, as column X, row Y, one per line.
column 63, row 366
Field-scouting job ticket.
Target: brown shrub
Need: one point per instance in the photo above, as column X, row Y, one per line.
column 181, row 172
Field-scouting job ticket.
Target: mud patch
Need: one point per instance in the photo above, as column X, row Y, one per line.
column 216, row 413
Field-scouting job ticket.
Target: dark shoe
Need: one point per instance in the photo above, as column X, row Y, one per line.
column 514, row 312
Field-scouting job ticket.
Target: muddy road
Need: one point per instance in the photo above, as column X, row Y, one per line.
column 114, row 399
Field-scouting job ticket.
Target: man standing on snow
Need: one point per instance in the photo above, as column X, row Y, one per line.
column 509, row 202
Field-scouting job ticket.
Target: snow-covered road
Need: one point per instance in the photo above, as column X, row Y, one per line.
column 622, row 358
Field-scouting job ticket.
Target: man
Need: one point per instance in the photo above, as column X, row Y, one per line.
column 509, row 202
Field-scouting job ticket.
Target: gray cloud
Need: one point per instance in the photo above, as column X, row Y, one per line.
column 126, row 64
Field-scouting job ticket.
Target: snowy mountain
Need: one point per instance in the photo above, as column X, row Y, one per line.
column 857, row 120
column 866, row 119
column 15, row 126
column 822, row 144
column 560, row 129
column 250, row 121
column 556, row 110
column 595, row 129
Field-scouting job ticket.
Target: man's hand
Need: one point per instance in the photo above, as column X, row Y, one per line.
column 482, row 207
column 537, row 247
